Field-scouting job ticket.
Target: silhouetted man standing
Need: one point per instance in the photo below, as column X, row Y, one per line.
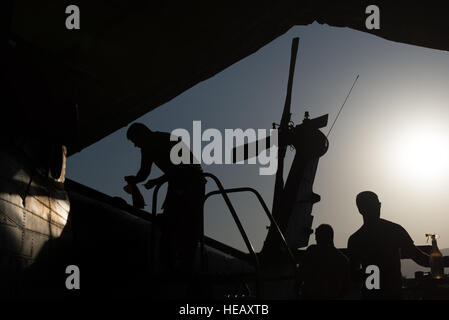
column 183, row 205
column 324, row 270
column 380, row 242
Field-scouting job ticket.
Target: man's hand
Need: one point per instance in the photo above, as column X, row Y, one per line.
column 151, row 184
column 130, row 179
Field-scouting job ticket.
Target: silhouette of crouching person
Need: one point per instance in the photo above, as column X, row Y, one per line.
column 183, row 205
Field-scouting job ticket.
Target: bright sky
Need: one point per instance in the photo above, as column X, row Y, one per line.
column 390, row 138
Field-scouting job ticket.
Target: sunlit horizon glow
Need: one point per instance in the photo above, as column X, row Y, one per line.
column 421, row 155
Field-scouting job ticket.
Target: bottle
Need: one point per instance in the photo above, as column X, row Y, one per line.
column 436, row 258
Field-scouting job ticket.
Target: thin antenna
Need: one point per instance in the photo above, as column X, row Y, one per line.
column 341, row 108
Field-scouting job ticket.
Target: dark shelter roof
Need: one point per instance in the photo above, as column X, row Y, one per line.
column 130, row 57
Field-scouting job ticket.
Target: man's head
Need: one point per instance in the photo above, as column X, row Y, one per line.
column 138, row 133
column 368, row 205
column 324, row 235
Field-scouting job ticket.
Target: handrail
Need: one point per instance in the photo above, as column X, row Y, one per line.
column 154, row 213
column 154, row 204
column 234, row 215
column 267, row 212
column 239, row 226
column 273, row 222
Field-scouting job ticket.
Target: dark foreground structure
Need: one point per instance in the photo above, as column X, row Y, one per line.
column 66, row 89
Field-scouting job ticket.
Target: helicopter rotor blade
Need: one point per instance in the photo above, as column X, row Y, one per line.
column 250, row 150
column 285, row 120
column 286, row 115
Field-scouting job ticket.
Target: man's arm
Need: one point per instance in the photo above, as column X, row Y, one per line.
column 144, row 171
column 412, row 251
column 355, row 271
column 418, row 256
column 422, row 258
column 154, row 182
